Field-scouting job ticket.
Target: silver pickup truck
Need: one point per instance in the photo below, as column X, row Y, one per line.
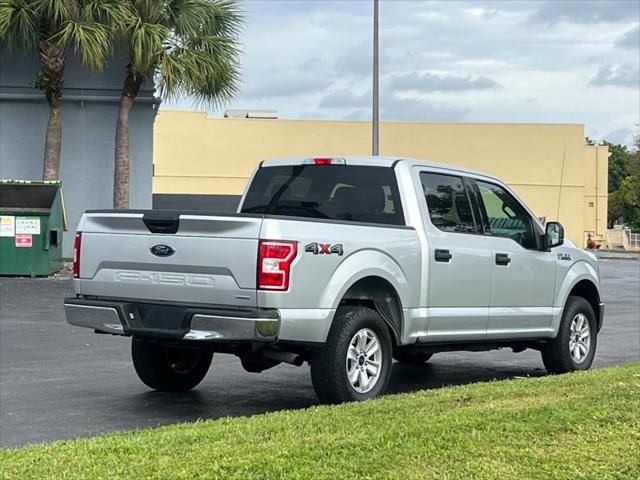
column 346, row 263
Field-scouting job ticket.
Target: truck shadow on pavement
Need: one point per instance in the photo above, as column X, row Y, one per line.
column 212, row 400
column 411, row 378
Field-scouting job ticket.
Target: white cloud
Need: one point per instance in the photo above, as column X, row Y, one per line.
column 345, row 98
column 432, row 82
column 587, row 11
column 631, row 39
column 618, row 75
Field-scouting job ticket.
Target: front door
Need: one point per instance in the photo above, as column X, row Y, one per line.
column 524, row 276
column 460, row 262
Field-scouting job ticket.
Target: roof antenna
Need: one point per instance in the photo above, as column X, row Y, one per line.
column 564, row 159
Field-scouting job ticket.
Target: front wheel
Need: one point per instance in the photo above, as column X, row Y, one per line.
column 575, row 345
column 169, row 369
column 355, row 362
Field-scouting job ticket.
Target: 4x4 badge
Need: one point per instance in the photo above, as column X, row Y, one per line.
column 564, row 256
column 323, row 248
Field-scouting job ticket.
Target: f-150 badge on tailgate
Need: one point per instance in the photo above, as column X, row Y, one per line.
column 323, row 248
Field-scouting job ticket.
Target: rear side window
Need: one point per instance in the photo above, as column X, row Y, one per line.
column 337, row 192
column 448, row 203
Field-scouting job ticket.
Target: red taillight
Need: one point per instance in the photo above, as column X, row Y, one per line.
column 322, row 160
column 274, row 263
column 76, row 254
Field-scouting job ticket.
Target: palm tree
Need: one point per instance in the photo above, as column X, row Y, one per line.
column 51, row 27
column 189, row 48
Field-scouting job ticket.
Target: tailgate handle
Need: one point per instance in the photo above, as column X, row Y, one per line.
column 161, row 223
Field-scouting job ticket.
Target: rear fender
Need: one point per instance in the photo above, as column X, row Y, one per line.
column 363, row 264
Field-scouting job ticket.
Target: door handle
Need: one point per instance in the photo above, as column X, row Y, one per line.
column 443, row 255
column 503, row 259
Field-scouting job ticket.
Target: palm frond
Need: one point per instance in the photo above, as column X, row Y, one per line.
column 193, row 18
column 150, row 11
column 90, row 40
column 147, row 44
column 56, row 12
column 18, row 25
column 207, row 71
column 188, row 47
column 113, row 13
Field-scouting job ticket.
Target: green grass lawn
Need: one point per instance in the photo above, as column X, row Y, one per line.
column 584, row 425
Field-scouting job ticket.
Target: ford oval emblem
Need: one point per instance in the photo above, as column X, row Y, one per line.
column 162, row 250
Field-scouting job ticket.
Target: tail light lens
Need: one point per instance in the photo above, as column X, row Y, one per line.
column 76, row 254
column 274, row 263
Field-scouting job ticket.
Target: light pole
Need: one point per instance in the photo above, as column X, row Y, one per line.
column 375, row 137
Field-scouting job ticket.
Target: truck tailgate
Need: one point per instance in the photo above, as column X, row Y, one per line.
column 210, row 259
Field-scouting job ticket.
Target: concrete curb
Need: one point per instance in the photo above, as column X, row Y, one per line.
column 618, row 255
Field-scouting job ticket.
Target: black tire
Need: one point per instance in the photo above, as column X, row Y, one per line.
column 408, row 358
column 556, row 354
column 169, row 369
column 329, row 364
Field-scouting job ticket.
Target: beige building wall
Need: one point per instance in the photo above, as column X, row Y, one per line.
column 547, row 164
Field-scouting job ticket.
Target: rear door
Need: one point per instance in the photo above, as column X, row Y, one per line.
column 460, row 261
column 198, row 259
column 524, row 276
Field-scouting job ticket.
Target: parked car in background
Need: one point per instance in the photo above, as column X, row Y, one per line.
column 344, row 263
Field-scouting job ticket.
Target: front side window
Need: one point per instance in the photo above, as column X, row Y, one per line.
column 505, row 216
column 448, row 203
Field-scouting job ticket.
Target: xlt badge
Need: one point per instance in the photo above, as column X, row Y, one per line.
column 323, row 248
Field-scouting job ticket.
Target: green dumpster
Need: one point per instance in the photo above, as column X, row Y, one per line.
column 32, row 219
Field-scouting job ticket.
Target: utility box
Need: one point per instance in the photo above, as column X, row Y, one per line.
column 32, row 219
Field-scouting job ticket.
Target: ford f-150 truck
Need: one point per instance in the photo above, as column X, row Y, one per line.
column 345, row 263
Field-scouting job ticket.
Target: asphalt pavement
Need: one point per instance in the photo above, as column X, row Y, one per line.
column 59, row 381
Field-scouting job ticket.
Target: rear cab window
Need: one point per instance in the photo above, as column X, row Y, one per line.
column 352, row 193
column 448, row 203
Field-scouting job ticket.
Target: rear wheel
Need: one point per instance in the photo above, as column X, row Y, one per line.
column 355, row 362
column 412, row 358
column 170, row 369
column 575, row 346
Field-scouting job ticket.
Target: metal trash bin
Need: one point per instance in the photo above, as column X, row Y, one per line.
column 32, row 219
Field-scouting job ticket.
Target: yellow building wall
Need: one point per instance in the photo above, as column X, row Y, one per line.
column 547, row 164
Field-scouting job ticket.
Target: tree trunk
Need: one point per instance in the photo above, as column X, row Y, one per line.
column 130, row 91
column 52, row 145
column 52, row 59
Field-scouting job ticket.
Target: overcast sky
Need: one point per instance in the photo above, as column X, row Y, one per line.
column 490, row 61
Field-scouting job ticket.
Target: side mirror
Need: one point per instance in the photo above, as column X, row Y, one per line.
column 553, row 235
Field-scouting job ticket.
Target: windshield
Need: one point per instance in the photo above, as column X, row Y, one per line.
column 338, row 192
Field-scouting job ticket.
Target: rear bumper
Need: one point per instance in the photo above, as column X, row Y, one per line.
column 175, row 322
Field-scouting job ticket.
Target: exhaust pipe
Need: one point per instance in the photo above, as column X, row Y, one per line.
column 286, row 357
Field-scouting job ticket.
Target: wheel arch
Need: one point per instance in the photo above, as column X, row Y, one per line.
column 378, row 294
column 587, row 289
column 580, row 280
